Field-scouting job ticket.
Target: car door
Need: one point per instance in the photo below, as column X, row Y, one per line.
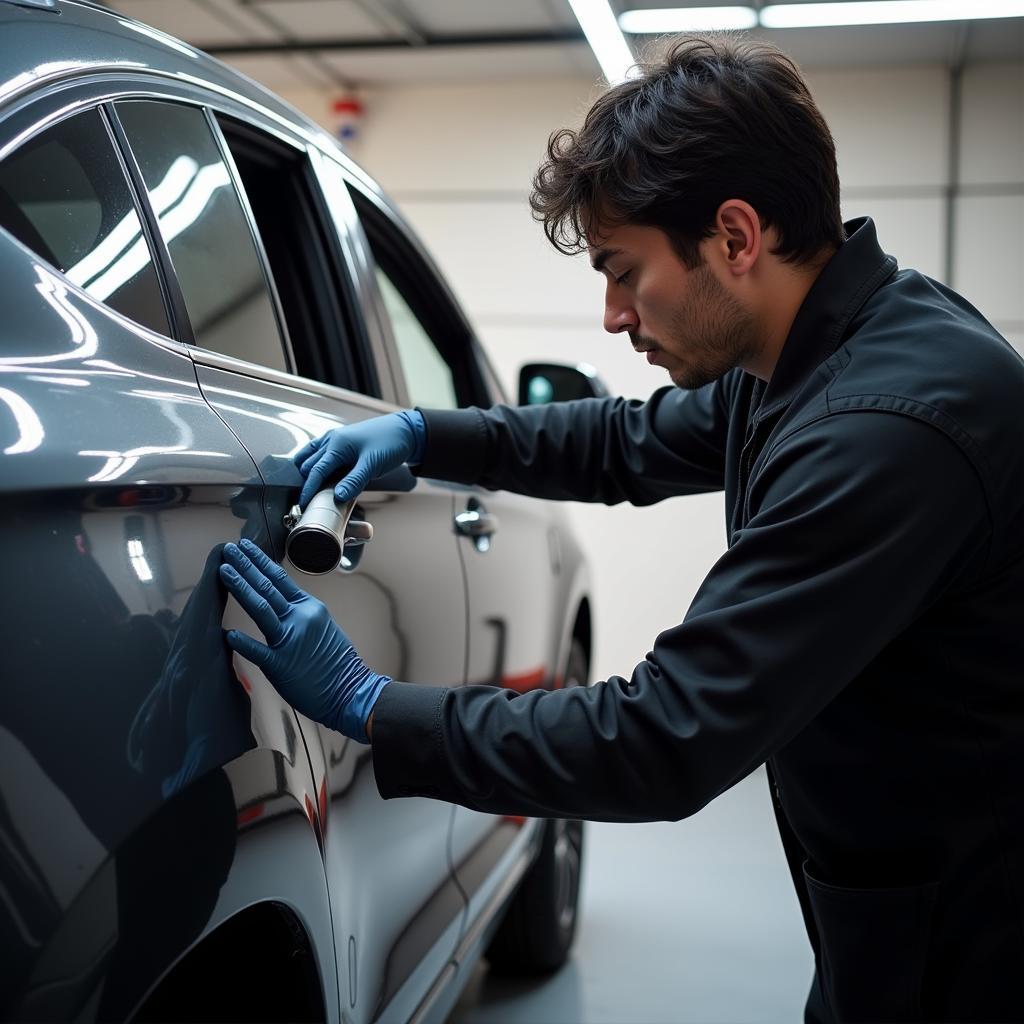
column 508, row 544
column 142, row 781
column 267, row 230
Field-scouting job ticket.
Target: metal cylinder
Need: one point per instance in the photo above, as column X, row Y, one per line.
column 314, row 544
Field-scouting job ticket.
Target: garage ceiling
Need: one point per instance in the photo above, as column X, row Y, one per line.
column 317, row 43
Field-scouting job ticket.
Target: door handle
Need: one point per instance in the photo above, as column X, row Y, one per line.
column 475, row 522
column 357, row 531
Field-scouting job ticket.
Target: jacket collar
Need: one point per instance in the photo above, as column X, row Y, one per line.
column 855, row 271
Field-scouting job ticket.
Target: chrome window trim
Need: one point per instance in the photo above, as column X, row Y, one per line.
column 267, row 374
column 396, row 222
column 261, row 253
column 116, row 81
column 59, row 99
column 179, row 324
column 398, row 225
column 355, row 250
column 338, row 197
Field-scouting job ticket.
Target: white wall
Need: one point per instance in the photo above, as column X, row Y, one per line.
column 989, row 258
column 458, row 160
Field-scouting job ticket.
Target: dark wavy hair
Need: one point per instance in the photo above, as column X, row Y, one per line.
column 718, row 118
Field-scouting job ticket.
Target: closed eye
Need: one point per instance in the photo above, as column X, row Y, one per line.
column 624, row 277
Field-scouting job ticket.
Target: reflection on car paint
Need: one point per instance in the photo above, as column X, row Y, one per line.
column 30, row 427
column 300, row 423
column 116, row 800
column 167, row 786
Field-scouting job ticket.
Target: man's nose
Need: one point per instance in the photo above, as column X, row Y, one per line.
column 619, row 317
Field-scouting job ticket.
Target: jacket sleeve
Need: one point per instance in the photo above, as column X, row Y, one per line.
column 792, row 613
column 604, row 450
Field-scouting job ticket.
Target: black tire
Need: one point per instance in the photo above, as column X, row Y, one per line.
column 537, row 932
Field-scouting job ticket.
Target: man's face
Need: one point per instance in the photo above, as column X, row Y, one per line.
column 684, row 320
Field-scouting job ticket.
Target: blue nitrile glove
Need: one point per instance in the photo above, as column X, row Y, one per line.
column 363, row 450
column 310, row 661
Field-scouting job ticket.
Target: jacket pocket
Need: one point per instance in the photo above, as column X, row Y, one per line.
column 874, row 947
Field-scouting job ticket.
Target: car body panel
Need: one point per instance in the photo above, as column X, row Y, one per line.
column 403, row 607
column 112, row 621
column 168, row 782
column 514, row 625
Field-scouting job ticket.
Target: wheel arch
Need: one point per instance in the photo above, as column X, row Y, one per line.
column 229, row 966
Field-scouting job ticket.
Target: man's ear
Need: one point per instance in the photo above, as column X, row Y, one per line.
column 739, row 235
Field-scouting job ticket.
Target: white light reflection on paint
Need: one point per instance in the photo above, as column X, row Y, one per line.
column 310, row 423
column 119, row 463
column 19, row 81
column 55, row 295
column 167, row 406
column 160, row 37
column 113, row 370
column 137, row 556
column 30, row 429
column 168, row 396
column 52, row 69
column 301, row 424
column 300, row 436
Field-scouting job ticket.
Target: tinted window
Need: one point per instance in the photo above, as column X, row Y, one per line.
column 65, row 196
column 435, row 344
column 325, row 324
column 427, row 375
column 207, row 234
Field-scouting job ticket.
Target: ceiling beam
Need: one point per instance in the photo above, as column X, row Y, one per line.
column 568, row 35
column 287, row 42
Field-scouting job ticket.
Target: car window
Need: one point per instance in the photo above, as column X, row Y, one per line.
column 432, row 341
column 64, row 195
column 314, row 288
column 428, row 377
column 206, row 231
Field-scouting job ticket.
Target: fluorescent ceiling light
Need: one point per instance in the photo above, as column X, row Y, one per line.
column 810, row 15
column 886, row 12
column 605, row 38
column 687, row 19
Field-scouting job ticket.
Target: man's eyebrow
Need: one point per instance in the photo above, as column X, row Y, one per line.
column 602, row 257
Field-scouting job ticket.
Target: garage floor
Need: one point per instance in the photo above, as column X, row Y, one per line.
column 693, row 922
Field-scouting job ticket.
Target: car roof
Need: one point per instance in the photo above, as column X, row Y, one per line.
column 51, row 43
column 56, row 42
column 65, row 41
column 77, row 39
column 43, row 44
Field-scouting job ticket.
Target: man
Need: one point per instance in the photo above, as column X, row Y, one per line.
column 864, row 632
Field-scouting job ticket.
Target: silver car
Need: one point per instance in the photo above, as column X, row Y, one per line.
column 195, row 281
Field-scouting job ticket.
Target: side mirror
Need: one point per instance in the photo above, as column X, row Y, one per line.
column 540, row 383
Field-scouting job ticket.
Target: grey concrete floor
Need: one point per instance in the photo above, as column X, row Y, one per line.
column 691, row 922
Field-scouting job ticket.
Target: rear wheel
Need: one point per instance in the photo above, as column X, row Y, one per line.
column 540, row 924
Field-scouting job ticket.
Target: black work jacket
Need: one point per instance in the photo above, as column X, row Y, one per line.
column 863, row 634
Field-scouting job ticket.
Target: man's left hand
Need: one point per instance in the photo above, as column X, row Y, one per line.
column 307, row 657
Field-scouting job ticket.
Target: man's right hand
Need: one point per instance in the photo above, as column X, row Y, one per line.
column 362, row 452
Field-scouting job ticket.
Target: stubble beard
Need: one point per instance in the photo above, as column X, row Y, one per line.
column 713, row 330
